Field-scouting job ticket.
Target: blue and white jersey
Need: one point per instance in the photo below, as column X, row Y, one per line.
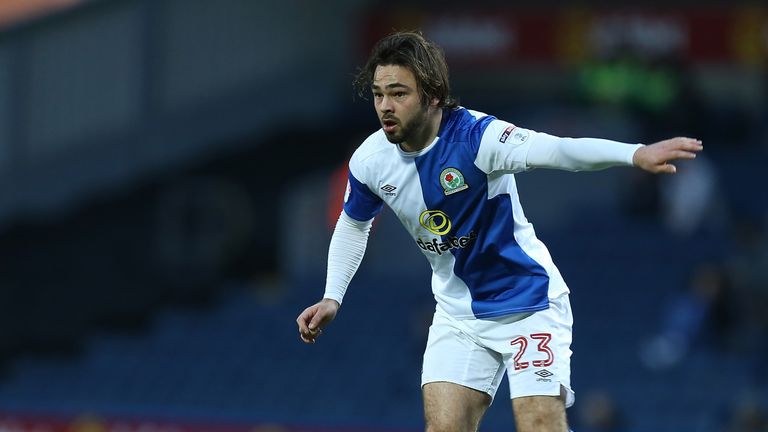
column 458, row 200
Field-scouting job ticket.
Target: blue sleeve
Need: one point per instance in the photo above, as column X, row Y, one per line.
column 361, row 204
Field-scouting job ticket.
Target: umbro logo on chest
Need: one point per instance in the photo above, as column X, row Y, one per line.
column 389, row 190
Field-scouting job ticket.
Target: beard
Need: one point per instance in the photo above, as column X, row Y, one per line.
column 407, row 131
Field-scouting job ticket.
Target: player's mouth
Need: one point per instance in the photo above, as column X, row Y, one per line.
column 389, row 125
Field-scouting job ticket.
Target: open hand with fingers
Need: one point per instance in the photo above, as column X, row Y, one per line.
column 312, row 320
column 655, row 158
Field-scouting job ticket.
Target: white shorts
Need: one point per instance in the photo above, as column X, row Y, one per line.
column 535, row 351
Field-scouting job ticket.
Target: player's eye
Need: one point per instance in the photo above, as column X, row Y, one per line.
column 400, row 94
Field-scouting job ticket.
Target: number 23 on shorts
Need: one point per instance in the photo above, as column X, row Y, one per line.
column 543, row 347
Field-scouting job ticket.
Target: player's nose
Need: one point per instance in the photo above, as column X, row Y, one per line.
column 386, row 105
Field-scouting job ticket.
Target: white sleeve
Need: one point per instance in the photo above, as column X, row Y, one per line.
column 345, row 253
column 578, row 154
column 503, row 147
column 507, row 148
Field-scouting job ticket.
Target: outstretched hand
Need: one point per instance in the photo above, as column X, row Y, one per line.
column 315, row 317
column 655, row 158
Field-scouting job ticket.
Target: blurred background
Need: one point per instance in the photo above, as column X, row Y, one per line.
column 171, row 170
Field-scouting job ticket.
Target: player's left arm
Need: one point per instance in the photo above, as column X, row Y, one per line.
column 587, row 154
column 508, row 149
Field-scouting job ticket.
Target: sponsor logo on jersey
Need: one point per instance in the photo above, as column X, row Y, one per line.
column 517, row 134
column 505, row 134
column 452, row 181
column 389, row 190
column 439, row 247
column 435, row 221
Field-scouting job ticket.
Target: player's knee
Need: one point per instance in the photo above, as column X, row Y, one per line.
column 541, row 424
column 447, row 428
column 540, row 414
column 437, row 426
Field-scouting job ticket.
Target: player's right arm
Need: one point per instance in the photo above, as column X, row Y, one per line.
column 345, row 253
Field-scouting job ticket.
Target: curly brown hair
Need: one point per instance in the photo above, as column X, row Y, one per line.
column 423, row 58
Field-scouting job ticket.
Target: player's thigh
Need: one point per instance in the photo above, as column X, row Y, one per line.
column 453, row 407
column 453, row 356
column 540, row 414
column 538, row 356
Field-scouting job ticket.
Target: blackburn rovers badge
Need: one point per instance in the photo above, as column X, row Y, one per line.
column 452, row 181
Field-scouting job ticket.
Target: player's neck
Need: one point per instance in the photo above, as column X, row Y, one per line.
column 427, row 134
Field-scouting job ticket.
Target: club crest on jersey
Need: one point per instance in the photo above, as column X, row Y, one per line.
column 452, row 181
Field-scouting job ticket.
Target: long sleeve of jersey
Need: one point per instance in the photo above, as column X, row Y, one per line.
column 507, row 148
column 345, row 253
column 578, row 154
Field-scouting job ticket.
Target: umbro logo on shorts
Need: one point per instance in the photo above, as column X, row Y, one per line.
column 544, row 374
